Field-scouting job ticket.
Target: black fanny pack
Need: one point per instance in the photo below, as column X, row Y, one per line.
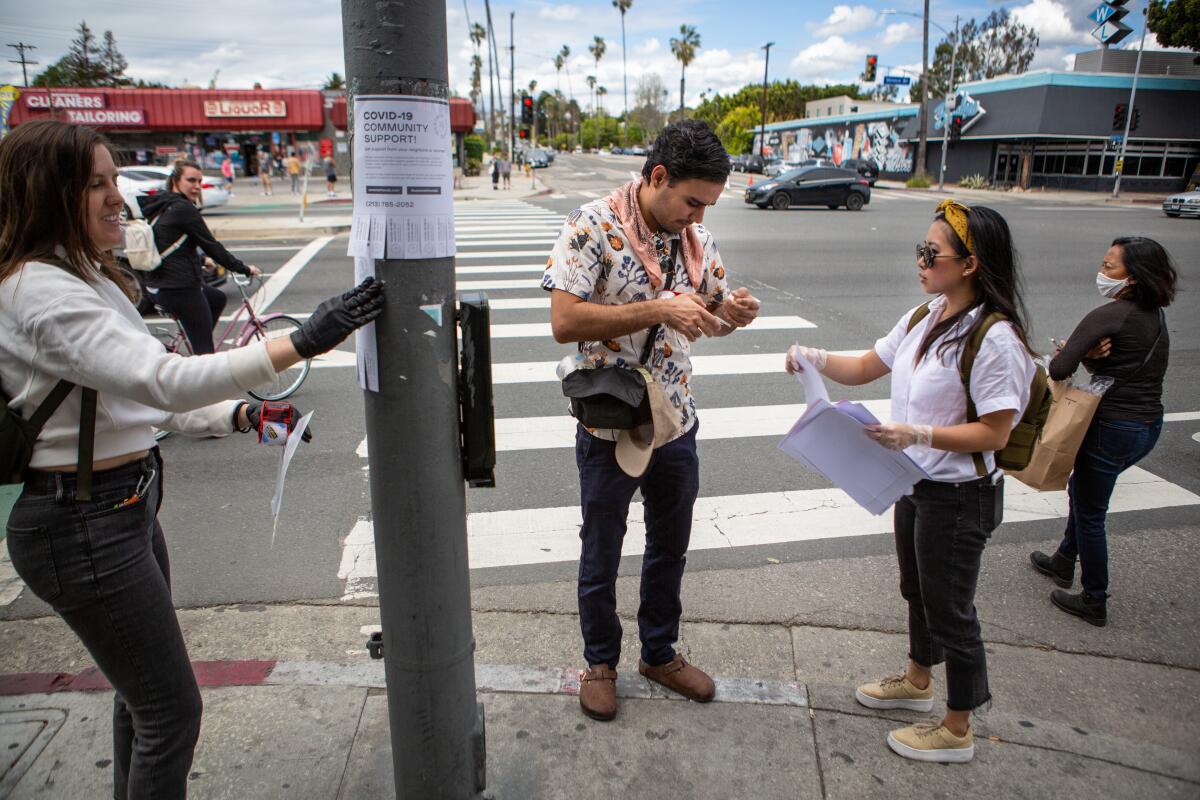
column 616, row 397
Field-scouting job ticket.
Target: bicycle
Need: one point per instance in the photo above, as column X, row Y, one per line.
column 255, row 328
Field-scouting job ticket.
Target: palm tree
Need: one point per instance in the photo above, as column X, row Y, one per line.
column 566, row 55
column 596, row 48
column 591, row 82
column 478, row 36
column 600, row 93
column 477, row 81
column 623, row 6
column 533, row 126
column 684, row 49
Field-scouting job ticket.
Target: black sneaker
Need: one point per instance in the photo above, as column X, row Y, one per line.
column 1056, row 566
column 1092, row 610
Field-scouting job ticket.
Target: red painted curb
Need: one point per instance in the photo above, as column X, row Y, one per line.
column 208, row 673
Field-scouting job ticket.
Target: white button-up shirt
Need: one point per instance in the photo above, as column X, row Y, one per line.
column 931, row 392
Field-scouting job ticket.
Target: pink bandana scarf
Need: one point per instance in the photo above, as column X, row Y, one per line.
column 624, row 203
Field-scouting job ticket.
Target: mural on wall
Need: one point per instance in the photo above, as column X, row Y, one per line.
column 877, row 142
column 964, row 105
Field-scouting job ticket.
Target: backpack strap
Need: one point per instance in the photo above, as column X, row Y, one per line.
column 53, row 400
column 921, row 313
column 87, row 445
column 178, row 244
column 966, row 362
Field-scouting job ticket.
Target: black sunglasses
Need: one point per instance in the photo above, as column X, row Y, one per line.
column 927, row 256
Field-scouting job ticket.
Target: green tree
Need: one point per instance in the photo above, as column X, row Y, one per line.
column 623, row 6
column 997, row 46
column 114, row 63
column 649, row 105
column 57, row 74
column 334, row 82
column 684, row 49
column 84, row 59
column 1176, row 23
column 785, row 100
column 737, row 130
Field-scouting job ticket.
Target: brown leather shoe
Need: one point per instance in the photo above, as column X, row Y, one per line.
column 598, row 692
column 680, row 676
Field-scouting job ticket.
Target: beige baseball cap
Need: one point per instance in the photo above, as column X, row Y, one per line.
column 634, row 447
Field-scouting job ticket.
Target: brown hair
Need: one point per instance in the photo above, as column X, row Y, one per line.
column 45, row 170
column 178, row 167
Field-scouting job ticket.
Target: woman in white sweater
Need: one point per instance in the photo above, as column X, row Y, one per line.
column 84, row 535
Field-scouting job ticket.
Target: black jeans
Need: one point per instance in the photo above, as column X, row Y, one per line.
column 941, row 529
column 1109, row 448
column 102, row 566
column 197, row 310
column 669, row 488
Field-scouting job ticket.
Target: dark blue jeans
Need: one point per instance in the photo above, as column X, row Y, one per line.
column 941, row 529
column 669, row 488
column 102, row 566
column 1109, row 448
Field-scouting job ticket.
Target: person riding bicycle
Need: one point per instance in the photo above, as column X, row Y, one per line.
column 180, row 233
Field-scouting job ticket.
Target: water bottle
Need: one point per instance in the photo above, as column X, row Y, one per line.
column 569, row 364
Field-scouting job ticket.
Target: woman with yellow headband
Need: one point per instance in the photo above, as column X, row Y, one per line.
column 968, row 263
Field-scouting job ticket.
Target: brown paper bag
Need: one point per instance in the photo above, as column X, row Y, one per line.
column 1054, row 454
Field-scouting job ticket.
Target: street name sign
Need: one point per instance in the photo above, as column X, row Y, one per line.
column 896, row 80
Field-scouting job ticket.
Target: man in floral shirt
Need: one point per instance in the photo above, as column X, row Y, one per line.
column 623, row 265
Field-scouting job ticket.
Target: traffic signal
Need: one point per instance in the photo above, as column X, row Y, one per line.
column 1137, row 117
column 956, row 124
column 1119, row 112
column 526, row 110
column 523, row 132
column 869, row 72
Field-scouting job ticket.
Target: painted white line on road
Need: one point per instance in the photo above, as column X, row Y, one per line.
column 507, row 253
column 547, row 535
column 702, row 366
column 542, row 329
column 263, row 249
column 503, row 231
column 589, row 195
column 523, row 283
column 499, row 270
column 519, row 303
column 1182, row 416
column 546, row 239
column 275, row 285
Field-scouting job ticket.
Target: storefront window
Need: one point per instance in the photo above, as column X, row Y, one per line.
column 1073, row 165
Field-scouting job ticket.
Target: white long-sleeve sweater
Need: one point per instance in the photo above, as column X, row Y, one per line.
column 55, row 326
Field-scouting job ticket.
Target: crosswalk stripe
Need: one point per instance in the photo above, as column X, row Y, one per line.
column 506, row 253
column 502, row 268
column 523, row 283
column 542, row 329
column 547, row 535
column 519, row 303
column 702, row 366
column 463, row 245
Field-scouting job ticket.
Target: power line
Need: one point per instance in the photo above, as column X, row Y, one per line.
column 21, row 47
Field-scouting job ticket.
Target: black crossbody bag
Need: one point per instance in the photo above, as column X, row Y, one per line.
column 615, row 397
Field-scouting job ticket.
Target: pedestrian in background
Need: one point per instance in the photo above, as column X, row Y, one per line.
column 227, row 171
column 969, row 264
column 506, row 172
column 1126, row 339
column 293, row 171
column 495, row 169
column 634, row 279
column 180, row 233
column 330, row 176
column 264, row 171
column 84, row 534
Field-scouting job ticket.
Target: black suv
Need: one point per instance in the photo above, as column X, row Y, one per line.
column 812, row 186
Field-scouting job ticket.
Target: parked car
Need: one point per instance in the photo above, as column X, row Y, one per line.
column 863, row 167
column 538, row 159
column 637, row 150
column 1186, row 204
column 149, row 180
column 754, row 163
column 812, row 186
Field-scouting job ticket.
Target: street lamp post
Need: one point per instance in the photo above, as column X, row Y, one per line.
column 946, row 107
column 762, row 123
column 1137, row 67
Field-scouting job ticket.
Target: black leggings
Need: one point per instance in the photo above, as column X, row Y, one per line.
column 197, row 310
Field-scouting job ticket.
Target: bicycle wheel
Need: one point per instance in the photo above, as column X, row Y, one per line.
column 287, row 382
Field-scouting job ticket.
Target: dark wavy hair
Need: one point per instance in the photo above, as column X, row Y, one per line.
column 1150, row 265
column 688, row 149
column 997, row 281
column 45, row 170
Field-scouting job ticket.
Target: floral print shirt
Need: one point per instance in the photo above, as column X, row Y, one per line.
column 593, row 260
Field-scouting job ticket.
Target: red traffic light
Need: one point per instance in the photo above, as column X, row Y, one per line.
column 528, row 101
column 523, row 134
column 872, row 60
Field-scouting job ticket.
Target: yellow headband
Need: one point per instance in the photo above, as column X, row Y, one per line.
column 955, row 214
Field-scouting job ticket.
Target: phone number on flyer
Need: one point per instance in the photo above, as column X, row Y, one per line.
column 389, row 204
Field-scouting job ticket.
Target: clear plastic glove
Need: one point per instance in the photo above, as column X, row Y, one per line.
column 814, row 355
column 899, row 435
column 338, row 317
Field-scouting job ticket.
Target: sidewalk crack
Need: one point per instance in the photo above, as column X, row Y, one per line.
column 362, row 712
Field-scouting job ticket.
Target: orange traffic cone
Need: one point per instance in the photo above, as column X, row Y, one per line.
column 751, row 179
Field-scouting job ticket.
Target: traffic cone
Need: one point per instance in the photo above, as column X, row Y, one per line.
column 751, row 179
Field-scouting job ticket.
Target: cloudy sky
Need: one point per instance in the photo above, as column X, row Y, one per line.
column 294, row 44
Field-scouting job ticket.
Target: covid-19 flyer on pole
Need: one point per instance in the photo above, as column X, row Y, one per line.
column 403, row 178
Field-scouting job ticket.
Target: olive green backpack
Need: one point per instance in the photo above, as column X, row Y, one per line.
column 1019, row 450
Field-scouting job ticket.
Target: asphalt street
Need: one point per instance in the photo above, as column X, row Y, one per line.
column 835, row 279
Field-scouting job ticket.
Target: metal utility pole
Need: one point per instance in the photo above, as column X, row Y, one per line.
column 762, row 125
column 489, row 42
column 924, row 92
column 947, row 108
column 1137, row 67
column 418, row 500
column 512, row 90
column 21, row 47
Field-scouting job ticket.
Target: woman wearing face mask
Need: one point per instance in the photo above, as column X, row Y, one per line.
column 968, row 263
column 1126, row 339
column 180, row 234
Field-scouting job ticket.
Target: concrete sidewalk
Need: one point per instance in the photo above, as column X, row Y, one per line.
column 295, row 707
column 1041, row 195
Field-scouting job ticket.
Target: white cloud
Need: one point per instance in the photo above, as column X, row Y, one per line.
column 900, row 32
column 560, row 12
column 648, row 47
column 833, row 56
column 846, row 20
column 1052, row 22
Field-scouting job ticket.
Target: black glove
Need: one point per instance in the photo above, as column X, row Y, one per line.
column 338, row 317
column 254, row 416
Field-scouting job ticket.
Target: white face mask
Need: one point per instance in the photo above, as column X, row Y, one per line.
column 1109, row 287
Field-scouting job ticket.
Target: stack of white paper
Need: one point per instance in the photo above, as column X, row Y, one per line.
column 830, row 439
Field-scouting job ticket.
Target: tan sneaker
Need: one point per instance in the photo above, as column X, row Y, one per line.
column 932, row 741
column 598, row 692
column 895, row 692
